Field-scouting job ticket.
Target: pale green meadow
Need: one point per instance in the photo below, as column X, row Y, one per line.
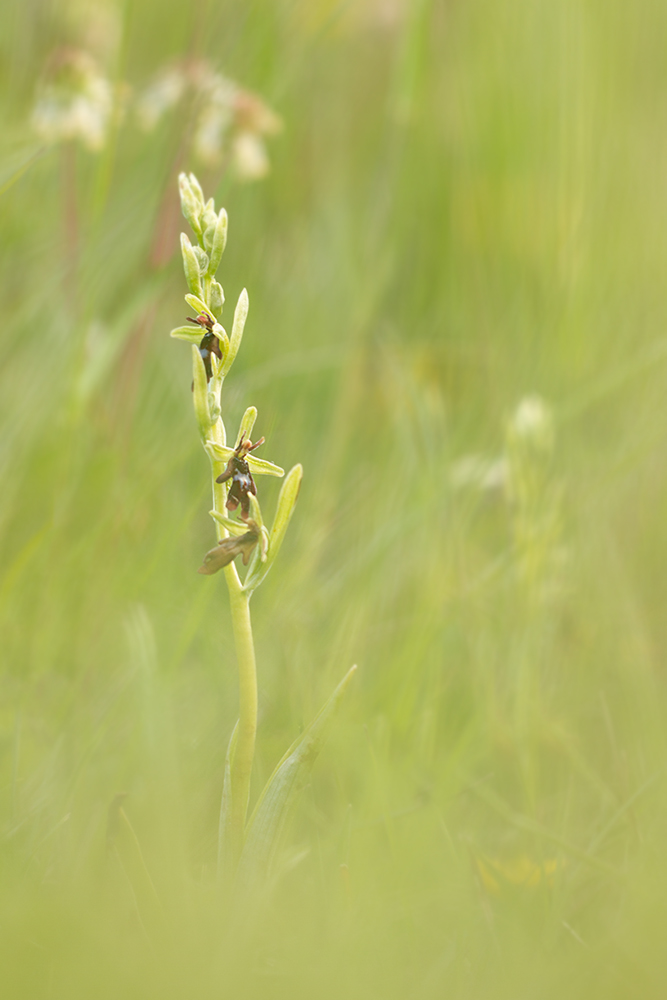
column 450, row 218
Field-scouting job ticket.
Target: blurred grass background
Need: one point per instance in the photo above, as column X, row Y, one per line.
column 466, row 207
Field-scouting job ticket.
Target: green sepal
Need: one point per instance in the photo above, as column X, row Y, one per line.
column 290, row 776
column 187, row 333
column 236, row 527
column 247, row 423
column 197, row 303
column 240, row 315
column 286, row 502
column 258, row 466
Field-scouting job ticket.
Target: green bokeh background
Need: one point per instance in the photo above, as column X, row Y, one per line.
column 467, row 205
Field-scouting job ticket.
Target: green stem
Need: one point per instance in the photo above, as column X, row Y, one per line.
column 241, row 768
column 241, row 765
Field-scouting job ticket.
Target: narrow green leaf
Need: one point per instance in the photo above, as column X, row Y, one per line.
column 225, row 853
column 286, row 503
column 123, row 842
column 271, row 812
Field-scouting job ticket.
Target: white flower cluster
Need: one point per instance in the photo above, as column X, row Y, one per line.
column 75, row 101
column 530, row 429
column 230, row 122
column 532, row 423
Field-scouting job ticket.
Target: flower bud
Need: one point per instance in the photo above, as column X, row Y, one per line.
column 191, row 267
column 207, row 239
column 217, row 297
column 218, row 243
column 202, row 259
column 196, row 189
column 190, row 204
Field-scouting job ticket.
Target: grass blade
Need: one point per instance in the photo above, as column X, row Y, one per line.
column 225, row 859
column 281, row 790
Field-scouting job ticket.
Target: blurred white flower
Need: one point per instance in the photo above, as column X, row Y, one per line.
column 165, row 91
column 230, row 122
column 216, row 117
column 74, row 102
column 532, row 423
column 250, row 158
